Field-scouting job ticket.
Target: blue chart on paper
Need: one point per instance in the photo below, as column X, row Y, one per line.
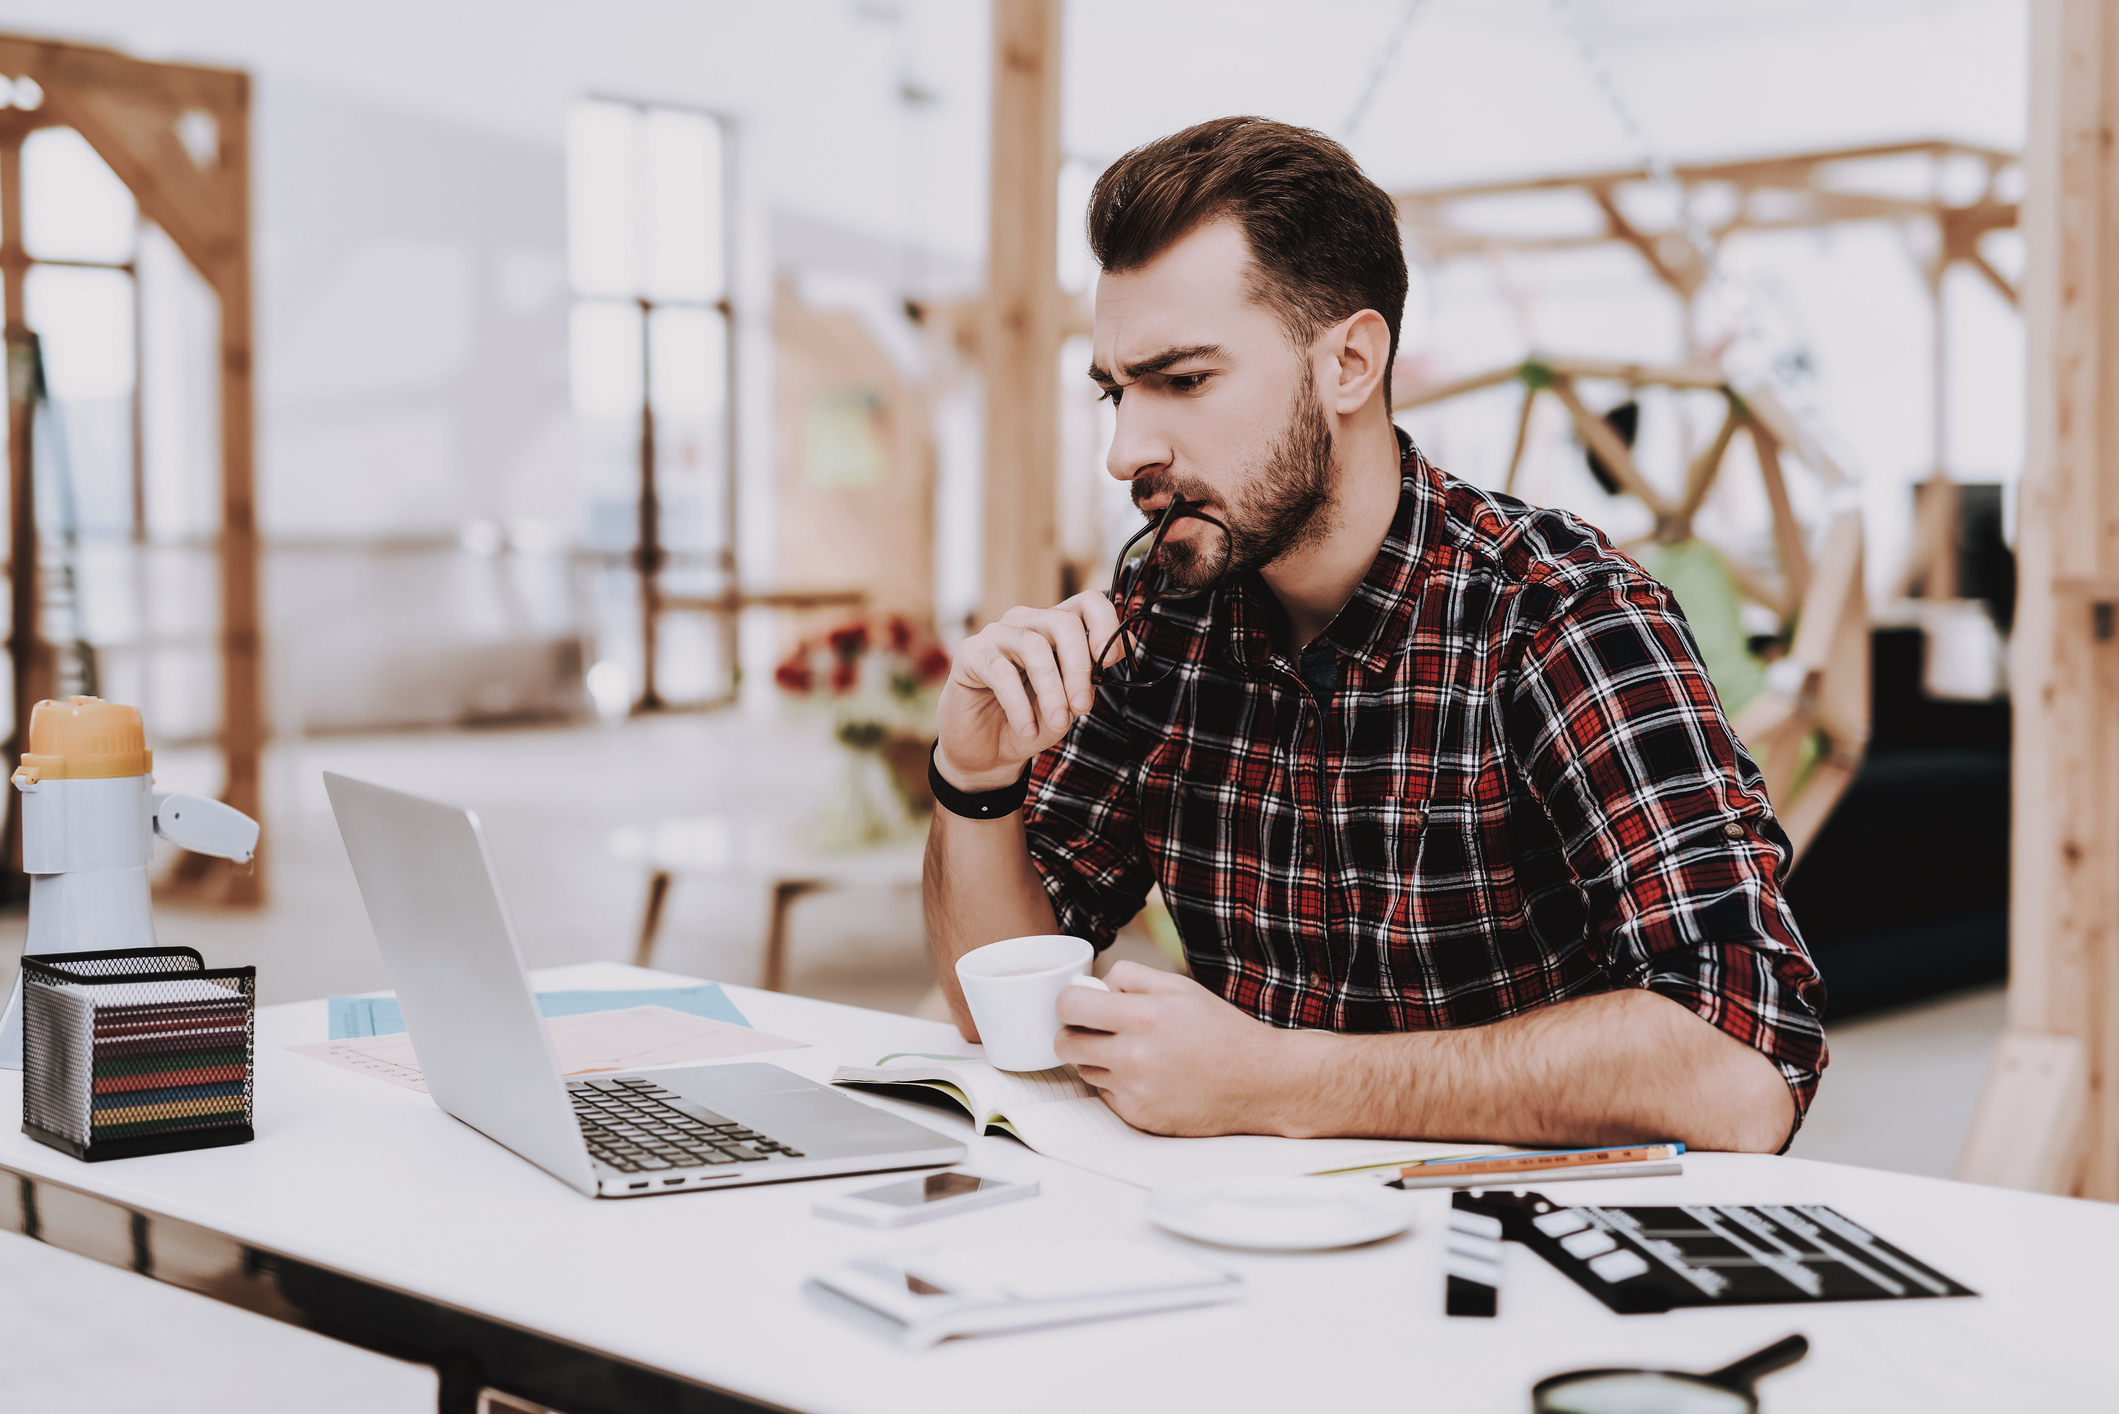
column 379, row 1016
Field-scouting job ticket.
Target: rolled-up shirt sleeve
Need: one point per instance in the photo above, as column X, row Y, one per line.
column 1665, row 821
column 1082, row 826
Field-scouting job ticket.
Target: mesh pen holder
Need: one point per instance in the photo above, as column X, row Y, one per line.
column 136, row 1051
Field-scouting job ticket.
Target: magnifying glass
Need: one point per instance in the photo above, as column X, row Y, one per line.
column 1724, row 1391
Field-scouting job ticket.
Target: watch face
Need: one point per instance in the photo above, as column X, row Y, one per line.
column 935, row 1187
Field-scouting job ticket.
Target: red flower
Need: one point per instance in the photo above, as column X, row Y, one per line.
column 849, row 642
column 900, row 633
column 795, row 674
column 933, row 664
column 844, row 673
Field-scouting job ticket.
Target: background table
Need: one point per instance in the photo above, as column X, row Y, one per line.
column 769, row 852
column 667, row 1301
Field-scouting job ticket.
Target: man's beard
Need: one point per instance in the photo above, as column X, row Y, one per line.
column 1280, row 507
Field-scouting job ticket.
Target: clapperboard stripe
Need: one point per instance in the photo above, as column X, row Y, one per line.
column 1472, row 1261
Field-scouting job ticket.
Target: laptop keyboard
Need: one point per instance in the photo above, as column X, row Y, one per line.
column 636, row 1126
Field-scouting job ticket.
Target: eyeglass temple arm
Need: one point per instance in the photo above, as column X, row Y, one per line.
column 1181, row 509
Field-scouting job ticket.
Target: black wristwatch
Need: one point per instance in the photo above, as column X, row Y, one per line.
column 978, row 804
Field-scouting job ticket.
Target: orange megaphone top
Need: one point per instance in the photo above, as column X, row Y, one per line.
column 84, row 738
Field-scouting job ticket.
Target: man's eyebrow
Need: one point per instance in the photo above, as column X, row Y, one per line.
column 1157, row 362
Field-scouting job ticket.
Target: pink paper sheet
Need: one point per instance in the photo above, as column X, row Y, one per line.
column 598, row 1041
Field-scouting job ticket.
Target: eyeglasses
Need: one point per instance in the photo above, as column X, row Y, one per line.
column 1130, row 668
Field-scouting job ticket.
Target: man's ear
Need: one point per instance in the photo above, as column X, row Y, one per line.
column 1360, row 345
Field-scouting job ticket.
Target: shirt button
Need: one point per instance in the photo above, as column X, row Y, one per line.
column 1417, row 820
column 1733, row 830
column 1316, row 980
column 1309, row 849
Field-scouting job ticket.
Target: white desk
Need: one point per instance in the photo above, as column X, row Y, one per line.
column 361, row 1178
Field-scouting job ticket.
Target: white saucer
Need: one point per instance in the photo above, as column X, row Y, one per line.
column 1280, row 1214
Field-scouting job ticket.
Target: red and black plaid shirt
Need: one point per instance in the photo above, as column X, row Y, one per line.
column 1519, row 788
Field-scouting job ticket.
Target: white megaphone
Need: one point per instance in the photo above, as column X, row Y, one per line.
column 90, row 813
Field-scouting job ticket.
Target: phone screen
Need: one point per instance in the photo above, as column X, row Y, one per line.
column 932, row 1189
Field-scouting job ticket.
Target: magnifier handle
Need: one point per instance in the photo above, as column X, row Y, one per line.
column 1744, row 1373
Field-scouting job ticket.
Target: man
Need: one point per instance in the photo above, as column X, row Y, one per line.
column 1434, row 785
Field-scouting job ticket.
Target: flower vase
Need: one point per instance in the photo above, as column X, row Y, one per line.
column 863, row 806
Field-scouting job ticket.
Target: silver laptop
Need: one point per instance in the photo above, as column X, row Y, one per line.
column 435, row 905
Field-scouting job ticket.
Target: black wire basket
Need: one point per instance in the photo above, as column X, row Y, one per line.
column 136, row 1051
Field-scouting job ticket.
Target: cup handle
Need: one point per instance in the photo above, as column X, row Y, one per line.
column 1087, row 981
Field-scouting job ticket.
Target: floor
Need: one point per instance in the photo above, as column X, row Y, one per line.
column 1901, row 1085
column 1899, row 1093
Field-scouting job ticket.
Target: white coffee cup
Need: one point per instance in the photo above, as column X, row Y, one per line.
column 1013, row 989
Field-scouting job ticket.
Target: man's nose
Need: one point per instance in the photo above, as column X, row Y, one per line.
column 1137, row 446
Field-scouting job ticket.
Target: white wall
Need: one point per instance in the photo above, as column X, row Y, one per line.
column 412, row 322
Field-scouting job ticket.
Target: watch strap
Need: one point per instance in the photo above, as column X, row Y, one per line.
column 976, row 804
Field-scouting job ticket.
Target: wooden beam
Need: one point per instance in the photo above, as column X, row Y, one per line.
column 22, row 645
column 1765, row 406
column 1787, row 530
column 128, row 110
column 2064, row 867
column 1838, row 603
column 1797, row 169
column 1455, row 388
column 1699, row 477
column 1515, row 458
column 1995, row 278
column 1930, row 569
column 1662, row 375
column 1779, row 599
column 1023, row 311
column 1838, row 579
column 1798, row 191
column 1831, row 650
column 243, row 726
column 1606, row 444
column 2023, row 1133
column 1683, row 276
column 1668, row 375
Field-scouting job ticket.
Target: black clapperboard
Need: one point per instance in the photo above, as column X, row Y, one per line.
column 1639, row 1260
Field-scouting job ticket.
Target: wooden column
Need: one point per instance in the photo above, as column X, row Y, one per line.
column 22, row 644
column 2049, row 1117
column 130, row 111
column 1022, row 333
column 243, row 724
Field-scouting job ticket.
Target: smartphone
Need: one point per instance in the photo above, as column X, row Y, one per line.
column 915, row 1200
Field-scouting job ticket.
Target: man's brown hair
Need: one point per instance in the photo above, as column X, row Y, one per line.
column 1324, row 238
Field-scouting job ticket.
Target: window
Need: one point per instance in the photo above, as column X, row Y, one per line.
column 648, row 235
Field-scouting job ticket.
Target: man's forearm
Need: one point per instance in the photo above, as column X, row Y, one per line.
column 979, row 887
column 1617, row 1067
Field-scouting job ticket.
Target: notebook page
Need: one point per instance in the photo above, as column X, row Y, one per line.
column 991, row 1093
column 1087, row 1133
column 1009, row 1093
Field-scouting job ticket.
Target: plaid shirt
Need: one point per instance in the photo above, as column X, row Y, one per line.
column 1519, row 789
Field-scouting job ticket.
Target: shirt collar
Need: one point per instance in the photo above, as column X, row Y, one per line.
column 1373, row 625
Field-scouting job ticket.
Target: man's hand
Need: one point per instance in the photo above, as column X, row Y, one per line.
column 1015, row 688
column 1173, row 1058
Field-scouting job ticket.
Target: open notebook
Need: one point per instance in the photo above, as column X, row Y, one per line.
column 1061, row 1116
